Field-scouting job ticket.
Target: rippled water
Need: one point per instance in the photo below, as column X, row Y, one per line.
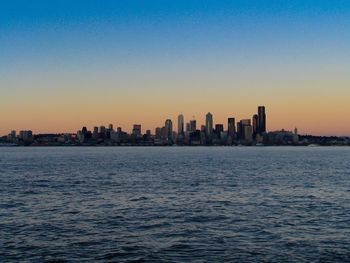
column 175, row 204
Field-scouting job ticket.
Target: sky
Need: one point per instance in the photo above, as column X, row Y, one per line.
column 67, row 64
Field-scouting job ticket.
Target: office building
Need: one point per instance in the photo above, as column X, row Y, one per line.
column 231, row 127
column 193, row 125
column 255, row 125
column 261, row 120
column 180, row 124
column 136, row 130
column 168, row 130
column 209, row 124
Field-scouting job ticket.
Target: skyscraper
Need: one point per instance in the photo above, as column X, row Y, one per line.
column 245, row 129
column 255, row 125
column 168, row 130
column 180, row 124
column 261, row 120
column 231, row 127
column 193, row 125
column 209, row 124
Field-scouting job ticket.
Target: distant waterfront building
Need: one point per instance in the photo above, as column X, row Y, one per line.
column 158, row 133
column 26, row 135
column 118, row 136
column 246, row 131
column 219, row 128
column 95, row 133
column 180, row 124
column 102, row 129
column 136, row 130
column 80, row 136
column 282, row 137
column 248, row 134
column 188, row 127
column 209, row 124
column 193, row 125
column 12, row 136
column 168, row 130
column 255, row 125
column 231, row 127
column 261, row 120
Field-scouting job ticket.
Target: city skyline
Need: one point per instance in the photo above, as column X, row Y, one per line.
column 236, row 132
column 67, row 64
column 184, row 124
column 201, row 121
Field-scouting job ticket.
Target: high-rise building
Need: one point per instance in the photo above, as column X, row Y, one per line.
column 231, row 127
column 248, row 133
column 188, row 127
column 219, row 128
column 168, row 130
column 261, row 120
column 95, row 133
column 110, row 127
column 158, row 133
column 180, row 124
column 193, row 125
column 255, row 125
column 26, row 135
column 209, row 124
column 136, row 130
column 239, row 130
column 102, row 130
column 243, row 131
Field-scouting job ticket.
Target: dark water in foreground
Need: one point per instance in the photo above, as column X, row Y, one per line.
column 175, row 204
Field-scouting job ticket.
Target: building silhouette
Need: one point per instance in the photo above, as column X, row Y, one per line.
column 169, row 130
column 261, row 120
column 180, row 124
column 209, row 125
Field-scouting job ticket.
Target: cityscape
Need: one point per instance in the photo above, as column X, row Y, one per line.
column 245, row 132
column 174, row 131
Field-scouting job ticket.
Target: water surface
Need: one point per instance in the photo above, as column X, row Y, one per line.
column 175, row 204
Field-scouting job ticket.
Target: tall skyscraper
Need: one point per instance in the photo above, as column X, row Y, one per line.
column 231, row 127
column 193, row 125
column 261, row 120
column 209, row 124
column 180, row 124
column 188, row 127
column 168, row 130
column 255, row 125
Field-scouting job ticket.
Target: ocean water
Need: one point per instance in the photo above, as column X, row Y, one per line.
column 175, row 204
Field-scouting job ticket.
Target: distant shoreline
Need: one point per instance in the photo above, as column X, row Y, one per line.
column 168, row 146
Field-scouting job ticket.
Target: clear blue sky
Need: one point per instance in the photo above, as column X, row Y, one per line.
column 221, row 54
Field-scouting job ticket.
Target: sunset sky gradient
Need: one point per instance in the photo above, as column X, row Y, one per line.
column 67, row 64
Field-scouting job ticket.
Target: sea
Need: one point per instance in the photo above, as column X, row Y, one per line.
column 175, row 204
